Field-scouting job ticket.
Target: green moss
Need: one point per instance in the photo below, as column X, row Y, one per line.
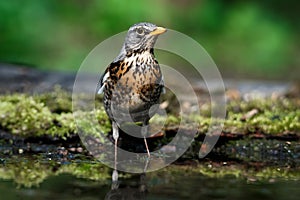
column 31, row 171
column 91, row 171
column 23, row 115
column 63, row 125
column 274, row 123
column 268, row 122
column 51, row 114
column 92, row 123
column 25, row 173
column 58, row 101
column 46, row 114
column 220, row 170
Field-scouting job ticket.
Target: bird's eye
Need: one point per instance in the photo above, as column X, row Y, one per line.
column 140, row 31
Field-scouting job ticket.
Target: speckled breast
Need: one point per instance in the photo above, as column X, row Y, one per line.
column 134, row 87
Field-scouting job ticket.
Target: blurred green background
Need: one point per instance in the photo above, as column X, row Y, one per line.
column 246, row 39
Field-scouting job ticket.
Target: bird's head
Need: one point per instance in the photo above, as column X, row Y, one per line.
column 142, row 37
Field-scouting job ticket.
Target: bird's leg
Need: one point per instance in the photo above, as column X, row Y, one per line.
column 114, row 175
column 116, row 137
column 144, row 133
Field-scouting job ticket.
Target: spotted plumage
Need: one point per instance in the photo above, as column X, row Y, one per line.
column 133, row 82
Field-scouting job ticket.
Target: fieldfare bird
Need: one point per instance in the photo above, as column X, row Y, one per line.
column 133, row 82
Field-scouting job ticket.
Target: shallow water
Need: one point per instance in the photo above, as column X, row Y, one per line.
column 62, row 175
column 66, row 186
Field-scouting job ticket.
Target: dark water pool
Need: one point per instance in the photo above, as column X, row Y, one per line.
column 66, row 186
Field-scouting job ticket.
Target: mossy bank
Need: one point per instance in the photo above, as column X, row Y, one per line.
column 51, row 114
column 260, row 138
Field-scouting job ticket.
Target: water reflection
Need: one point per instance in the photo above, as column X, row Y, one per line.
column 127, row 192
column 53, row 176
column 152, row 186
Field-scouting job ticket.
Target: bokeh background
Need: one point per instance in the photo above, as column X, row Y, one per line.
column 246, row 39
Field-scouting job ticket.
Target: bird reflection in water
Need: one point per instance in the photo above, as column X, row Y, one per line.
column 127, row 192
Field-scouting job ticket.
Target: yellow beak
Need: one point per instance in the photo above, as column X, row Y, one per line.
column 158, row 31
